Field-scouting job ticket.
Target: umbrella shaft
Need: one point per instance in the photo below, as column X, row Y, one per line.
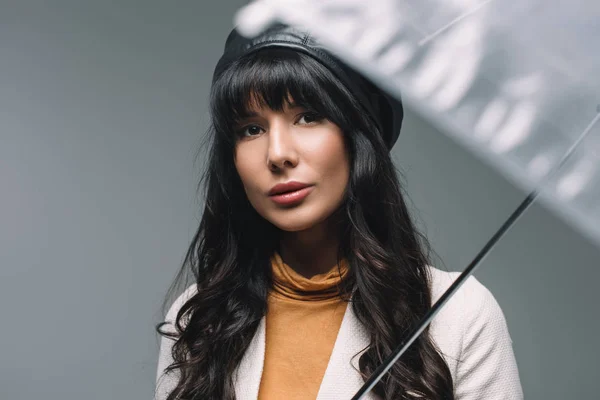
column 416, row 331
column 426, row 320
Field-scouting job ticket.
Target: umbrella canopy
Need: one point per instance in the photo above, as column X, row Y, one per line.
column 516, row 82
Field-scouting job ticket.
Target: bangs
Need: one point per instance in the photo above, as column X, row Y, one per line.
column 274, row 78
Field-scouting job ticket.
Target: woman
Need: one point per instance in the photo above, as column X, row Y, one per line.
column 302, row 295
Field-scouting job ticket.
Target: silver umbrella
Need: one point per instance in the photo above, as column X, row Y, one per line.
column 516, row 82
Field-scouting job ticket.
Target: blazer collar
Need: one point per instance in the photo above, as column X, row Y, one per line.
column 341, row 380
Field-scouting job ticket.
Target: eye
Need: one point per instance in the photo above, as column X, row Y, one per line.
column 249, row 130
column 310, row 117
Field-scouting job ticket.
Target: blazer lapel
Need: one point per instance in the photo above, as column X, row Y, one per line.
column 342, row 379
column 249, row 371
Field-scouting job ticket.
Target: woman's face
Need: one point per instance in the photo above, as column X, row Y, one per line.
column 292, row 145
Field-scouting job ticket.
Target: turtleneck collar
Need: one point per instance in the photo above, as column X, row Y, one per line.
column 290, row 284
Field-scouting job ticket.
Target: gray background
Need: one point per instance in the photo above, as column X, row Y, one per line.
column 102, row 107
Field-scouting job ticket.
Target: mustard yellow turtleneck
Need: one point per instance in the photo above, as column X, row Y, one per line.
column 302, row 323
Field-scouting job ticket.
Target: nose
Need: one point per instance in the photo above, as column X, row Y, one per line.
column 282, row 150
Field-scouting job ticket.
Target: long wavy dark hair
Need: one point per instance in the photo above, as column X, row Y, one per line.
column 388, row 283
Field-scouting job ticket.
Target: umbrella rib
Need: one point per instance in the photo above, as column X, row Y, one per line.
column 426, row 320
column 449, row 25
column 586, row 131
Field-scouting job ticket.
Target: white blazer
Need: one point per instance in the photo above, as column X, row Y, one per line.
column 470, row 331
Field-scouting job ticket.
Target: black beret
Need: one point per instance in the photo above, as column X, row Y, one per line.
column 385, row 110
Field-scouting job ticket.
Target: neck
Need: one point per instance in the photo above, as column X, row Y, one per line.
column 312, row 251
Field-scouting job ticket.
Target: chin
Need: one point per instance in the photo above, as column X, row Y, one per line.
column 295, row 220
column 291, row 225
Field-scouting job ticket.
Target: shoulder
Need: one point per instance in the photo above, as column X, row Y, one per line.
column 166, row 382
column 473, row 307
column 187, row 294
column 472, row 303
column 472, row 289
column 473, row 337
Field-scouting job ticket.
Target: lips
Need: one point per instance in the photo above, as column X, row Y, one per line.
column 293, row 198
column 287, row 187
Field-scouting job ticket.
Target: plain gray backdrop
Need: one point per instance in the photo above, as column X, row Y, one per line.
column 102, row 109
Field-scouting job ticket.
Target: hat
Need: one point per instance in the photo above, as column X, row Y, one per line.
column 385, row 110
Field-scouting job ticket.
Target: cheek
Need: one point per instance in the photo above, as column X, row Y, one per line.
column 335, row 160
column 247, row 172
